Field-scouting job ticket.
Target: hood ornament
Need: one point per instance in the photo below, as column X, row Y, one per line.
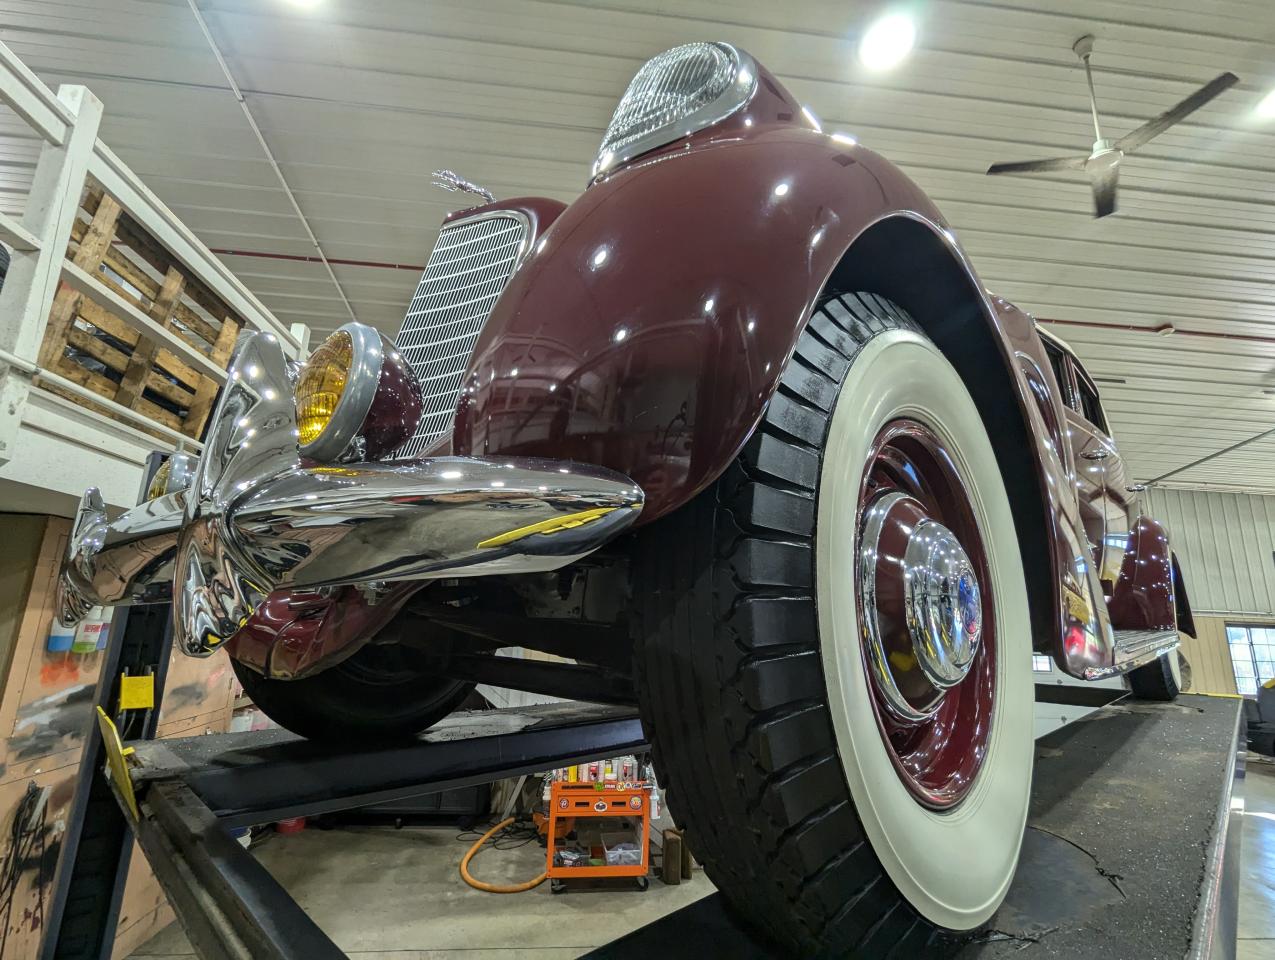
column 453, row 181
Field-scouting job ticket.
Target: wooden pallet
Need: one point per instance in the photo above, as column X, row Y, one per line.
column 91, row 345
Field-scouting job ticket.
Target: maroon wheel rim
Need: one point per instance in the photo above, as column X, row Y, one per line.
column 937, row 756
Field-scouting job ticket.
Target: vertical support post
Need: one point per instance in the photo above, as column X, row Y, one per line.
column 34, row 274
column 98, row 843
column 302, row 333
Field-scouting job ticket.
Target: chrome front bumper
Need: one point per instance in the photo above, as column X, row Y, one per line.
column 255, row 519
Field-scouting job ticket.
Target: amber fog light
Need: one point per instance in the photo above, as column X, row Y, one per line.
column 356, row 397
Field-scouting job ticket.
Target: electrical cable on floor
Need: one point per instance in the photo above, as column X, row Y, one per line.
column 26, row 838
column 473, row 850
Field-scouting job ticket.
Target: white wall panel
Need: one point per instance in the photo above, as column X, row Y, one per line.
column 1226, row 545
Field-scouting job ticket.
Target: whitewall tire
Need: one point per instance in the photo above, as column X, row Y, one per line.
column 812, row 769
column 954, row 866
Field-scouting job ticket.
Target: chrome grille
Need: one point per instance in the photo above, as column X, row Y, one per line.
column 468, row 269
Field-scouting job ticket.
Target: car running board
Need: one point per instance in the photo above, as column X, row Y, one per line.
column 1137, row 647
column 1133, row 648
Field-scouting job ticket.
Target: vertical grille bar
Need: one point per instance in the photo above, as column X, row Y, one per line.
column 471, row 263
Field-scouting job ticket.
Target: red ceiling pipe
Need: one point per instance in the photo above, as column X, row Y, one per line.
column 416, row 267
column 1177, row 332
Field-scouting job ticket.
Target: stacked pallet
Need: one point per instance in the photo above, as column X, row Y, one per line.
column 118, row 278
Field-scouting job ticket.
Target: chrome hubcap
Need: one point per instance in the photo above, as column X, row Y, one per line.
column 922, row 606
column 944, row 608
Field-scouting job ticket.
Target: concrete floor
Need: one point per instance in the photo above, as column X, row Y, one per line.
column 1256, row 931
column 383, row 894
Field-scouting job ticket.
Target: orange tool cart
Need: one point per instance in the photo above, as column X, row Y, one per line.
column 591, row 805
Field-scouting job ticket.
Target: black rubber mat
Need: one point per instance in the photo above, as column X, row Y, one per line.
column 1124, row 804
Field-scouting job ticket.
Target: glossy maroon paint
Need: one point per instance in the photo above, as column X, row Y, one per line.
column 1144, row 597
column 294, row 635
column 648, row 326
column 1080, row 620
column 396, row 408
column 939, row 758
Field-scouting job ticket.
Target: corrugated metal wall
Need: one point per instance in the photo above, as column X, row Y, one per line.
column 1226, row 545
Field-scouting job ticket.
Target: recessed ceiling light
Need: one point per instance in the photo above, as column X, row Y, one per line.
column 1266, row 108
column 307, row 4
column 887, row 41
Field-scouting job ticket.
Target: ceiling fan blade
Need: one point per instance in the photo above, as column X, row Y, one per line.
column 1104, row 183
column 1039, row 166
column 1153, row 128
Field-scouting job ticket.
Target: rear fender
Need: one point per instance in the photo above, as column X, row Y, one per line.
column 1144, row 595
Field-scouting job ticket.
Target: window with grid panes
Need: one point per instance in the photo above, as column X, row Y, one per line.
column 1252, row 655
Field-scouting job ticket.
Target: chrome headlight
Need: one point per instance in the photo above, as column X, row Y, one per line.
column 356, row 397
column 174, row 474
column 680, row 91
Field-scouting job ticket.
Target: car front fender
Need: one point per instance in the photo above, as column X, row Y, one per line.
column 648, row 326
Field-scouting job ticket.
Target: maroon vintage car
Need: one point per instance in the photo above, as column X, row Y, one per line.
column 740, row 437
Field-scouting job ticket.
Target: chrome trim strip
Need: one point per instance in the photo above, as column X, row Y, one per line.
column 254, row 519
column 732, row 99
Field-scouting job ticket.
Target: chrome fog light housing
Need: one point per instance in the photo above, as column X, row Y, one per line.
column 356, row 397
column 174, row 474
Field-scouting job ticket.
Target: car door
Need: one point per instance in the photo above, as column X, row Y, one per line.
column 1091, row 452
column 1099, row 457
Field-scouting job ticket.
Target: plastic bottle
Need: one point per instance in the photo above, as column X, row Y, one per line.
column 648, row 772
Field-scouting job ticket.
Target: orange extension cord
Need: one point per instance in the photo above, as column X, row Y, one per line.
column 492, row 887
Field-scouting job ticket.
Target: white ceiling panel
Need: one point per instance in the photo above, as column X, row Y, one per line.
column 360, row 99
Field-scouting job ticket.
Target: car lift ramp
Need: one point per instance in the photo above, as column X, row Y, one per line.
column 1132, row 847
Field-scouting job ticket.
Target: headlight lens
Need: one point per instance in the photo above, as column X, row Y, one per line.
column 173, row 474
column 674, row 94
column 321, row 384
column 356, row 397
column 159, row 483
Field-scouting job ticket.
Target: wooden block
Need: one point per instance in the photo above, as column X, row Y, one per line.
column 671, row 868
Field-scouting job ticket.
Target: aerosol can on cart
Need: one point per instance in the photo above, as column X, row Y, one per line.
column 654, row 802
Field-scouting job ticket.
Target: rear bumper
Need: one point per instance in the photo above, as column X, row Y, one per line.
column 255, row 518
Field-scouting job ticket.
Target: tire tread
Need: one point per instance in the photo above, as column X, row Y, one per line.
column 731, row 680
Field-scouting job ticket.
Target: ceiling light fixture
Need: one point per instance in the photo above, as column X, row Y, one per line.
column 1266, row 107
column 887, row 42
column 306, row 4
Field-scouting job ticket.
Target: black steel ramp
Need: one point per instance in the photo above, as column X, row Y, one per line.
column 1131, row 852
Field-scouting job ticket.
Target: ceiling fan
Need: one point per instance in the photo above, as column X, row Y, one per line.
column 1103, row 163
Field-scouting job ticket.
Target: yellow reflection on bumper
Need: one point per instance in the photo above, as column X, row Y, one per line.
column 567, row 521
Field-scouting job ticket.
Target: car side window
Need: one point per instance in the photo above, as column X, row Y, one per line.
column 1058, row 360
column 1090, row 408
